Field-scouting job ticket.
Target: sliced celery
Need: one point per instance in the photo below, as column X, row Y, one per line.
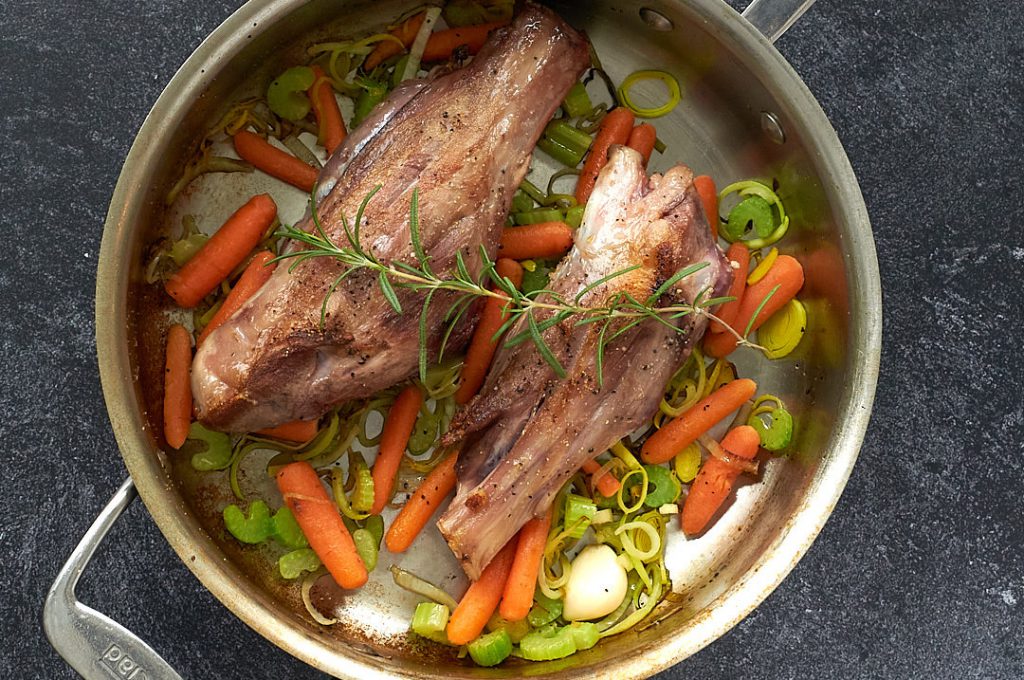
column 491, row 649
column 255, row 528
column 666, row 488
column 574, row 216
column 577, row 103
column 544, row 611
column 292, row 564
column 545, row 645
column 579, row 511
column 537, row 216
column 287, row 531
column 216, row 455
column 585, row 634
column 429, row 621
column 366, row 546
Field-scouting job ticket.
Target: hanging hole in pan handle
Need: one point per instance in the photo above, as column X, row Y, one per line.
column 774, row 17
column 94, row 644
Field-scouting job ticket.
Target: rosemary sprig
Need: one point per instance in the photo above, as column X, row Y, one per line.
column 539, row 310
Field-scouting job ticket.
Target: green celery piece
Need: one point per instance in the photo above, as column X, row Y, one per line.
column 286, row 95
column 521, row 202
column 255, row 528
column 216, row 455
column 373, row 93
column 565, row 155
column 183, row 249
column 366, row 546
column 566, row 135
column 490, row 649
column 516, row 630
column 752, row 210
column 778, row 434
column 666, row 486
column 544, row 611
column 546, row 645
column 585, row 634
column 375, row 525
column 287, row 531
column 537, row 216
column 574, row 215
column 577, row 103
column 292, row 564
column 429, row 621
column 536, row 279
column 579, row 510
column 362, row 493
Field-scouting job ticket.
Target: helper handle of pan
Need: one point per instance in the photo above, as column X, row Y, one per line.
column 94, row 644
column 774, row 17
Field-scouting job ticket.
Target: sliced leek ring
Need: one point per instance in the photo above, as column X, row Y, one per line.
column 782, row 332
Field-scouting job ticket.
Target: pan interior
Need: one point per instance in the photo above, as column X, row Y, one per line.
column 717, row 129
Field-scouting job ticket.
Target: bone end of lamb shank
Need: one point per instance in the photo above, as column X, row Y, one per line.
column 461, row 140
column 528, row 431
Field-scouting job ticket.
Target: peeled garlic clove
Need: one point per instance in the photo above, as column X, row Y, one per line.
column 597, row 583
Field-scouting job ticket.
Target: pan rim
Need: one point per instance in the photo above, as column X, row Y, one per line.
column 198, row 552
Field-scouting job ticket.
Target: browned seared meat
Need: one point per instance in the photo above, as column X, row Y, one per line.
column 463, row 141
column 528, row 431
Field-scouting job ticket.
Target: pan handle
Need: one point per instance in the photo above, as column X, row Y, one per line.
column 93, row 644
column 774, row 17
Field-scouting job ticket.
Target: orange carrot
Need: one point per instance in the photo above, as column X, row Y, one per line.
column 716, row 478
column 177, row 386
column 517, row 598
column 709, row 200
column 788, row 275
column 320, row 521
column 483, row 346
column 545, row 239
column 442, row 44
column 740, row 254
column 642, row 140
column 678, row 433
column 274, row 161
column 325, row 108
column 480, row 601
column 615, row 129
column 418, row 510
column 393, row 440
column 252, row 279
column 298, row 431
column 225, row 250
column 606, row 483
column 385, row 49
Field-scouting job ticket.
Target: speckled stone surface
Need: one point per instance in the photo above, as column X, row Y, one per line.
column 918, row 574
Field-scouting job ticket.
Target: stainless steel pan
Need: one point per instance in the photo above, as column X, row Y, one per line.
column 744, row 113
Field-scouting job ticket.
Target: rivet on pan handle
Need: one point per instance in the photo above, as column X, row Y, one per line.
column 93, row 644
column 774, row 17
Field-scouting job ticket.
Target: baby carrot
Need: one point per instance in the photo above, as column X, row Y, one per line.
column 385, row 49
column 740, row 254
column 298, row 431
column 642, row 140
column 252, row 279
column 678, row 433
column 225, row 250
column 709, row 200
column 320, row 521
column 716, row 478
column 480, row 601
column 418, row 510
column 177, row 387
column 325, row 107
column 788, row 275
column 606, row 483
column 393, row 440
column 274, row 161
column 517, row 598
column 545, row 239
column 482, row 346
column 442, row 44
column 615, row 129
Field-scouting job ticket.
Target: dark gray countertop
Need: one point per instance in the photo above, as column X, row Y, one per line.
column 918, row 574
